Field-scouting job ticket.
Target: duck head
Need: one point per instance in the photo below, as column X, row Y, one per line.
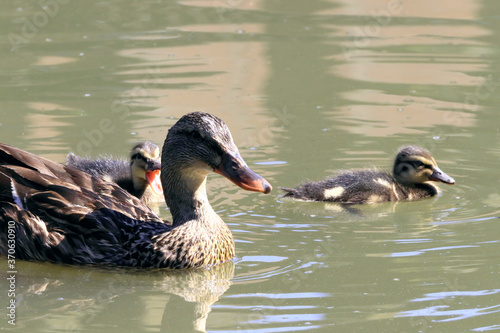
column 198, row 144
column 415, row 165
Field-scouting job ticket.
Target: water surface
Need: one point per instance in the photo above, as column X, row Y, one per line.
column 307, row 88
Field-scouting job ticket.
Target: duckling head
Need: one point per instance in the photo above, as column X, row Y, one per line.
column 415, row 165
column 146, row 165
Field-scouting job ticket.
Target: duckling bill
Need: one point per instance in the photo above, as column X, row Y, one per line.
column 414, row 170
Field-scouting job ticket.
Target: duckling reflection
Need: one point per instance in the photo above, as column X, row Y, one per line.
column 414, row 168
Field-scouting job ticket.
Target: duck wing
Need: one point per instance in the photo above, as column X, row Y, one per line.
column 61, row 214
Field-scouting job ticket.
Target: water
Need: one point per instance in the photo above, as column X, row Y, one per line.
column 307, row 88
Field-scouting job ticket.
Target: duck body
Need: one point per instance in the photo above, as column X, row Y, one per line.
column 61, row 214
column 413, row 170
column 140, row 176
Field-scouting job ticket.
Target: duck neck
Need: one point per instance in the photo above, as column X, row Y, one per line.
column 185, row 195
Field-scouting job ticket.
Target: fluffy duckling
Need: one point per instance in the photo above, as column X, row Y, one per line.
column 140, row 177
column 413, row 170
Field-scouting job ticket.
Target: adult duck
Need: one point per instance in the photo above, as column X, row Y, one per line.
column 414, row 168
column 60, row 214
column 140, row 176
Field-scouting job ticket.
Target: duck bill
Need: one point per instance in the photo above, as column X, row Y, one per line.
column 234, row 168
column 440, row 176
column 153, row 178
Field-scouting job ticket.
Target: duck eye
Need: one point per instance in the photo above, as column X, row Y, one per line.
column 196, row 135
column 404, row 168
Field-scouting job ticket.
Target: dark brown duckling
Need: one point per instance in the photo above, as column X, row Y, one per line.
column 140, row 177
column 414, row 168
column 61, row 214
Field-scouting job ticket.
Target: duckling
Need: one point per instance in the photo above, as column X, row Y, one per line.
column 140, row 177
column 413, row 168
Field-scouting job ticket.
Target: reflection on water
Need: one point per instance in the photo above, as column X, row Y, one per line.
column 392, row 115
column 65, row 299
column 307, row 88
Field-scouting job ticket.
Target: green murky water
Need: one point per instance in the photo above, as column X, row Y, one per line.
column 307, row 88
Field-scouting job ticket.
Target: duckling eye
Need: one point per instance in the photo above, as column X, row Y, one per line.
column 138, row 157
column 404, row 168
column 418, row 164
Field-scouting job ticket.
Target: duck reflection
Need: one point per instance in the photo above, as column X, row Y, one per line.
column 75, row 299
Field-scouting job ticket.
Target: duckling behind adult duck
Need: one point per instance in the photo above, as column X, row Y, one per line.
column 60, row 214
column 413, row 168
column 140, row 177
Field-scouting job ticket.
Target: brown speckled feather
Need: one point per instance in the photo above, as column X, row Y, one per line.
column 78, row 221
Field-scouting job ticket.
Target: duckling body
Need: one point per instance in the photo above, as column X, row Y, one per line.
column 413, row 168
column 362, row 186
column 140, row 176
column 61, row 214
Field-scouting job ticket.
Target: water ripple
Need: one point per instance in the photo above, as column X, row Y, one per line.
column 419, row 252
column 449, row 294
column 437, row 311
